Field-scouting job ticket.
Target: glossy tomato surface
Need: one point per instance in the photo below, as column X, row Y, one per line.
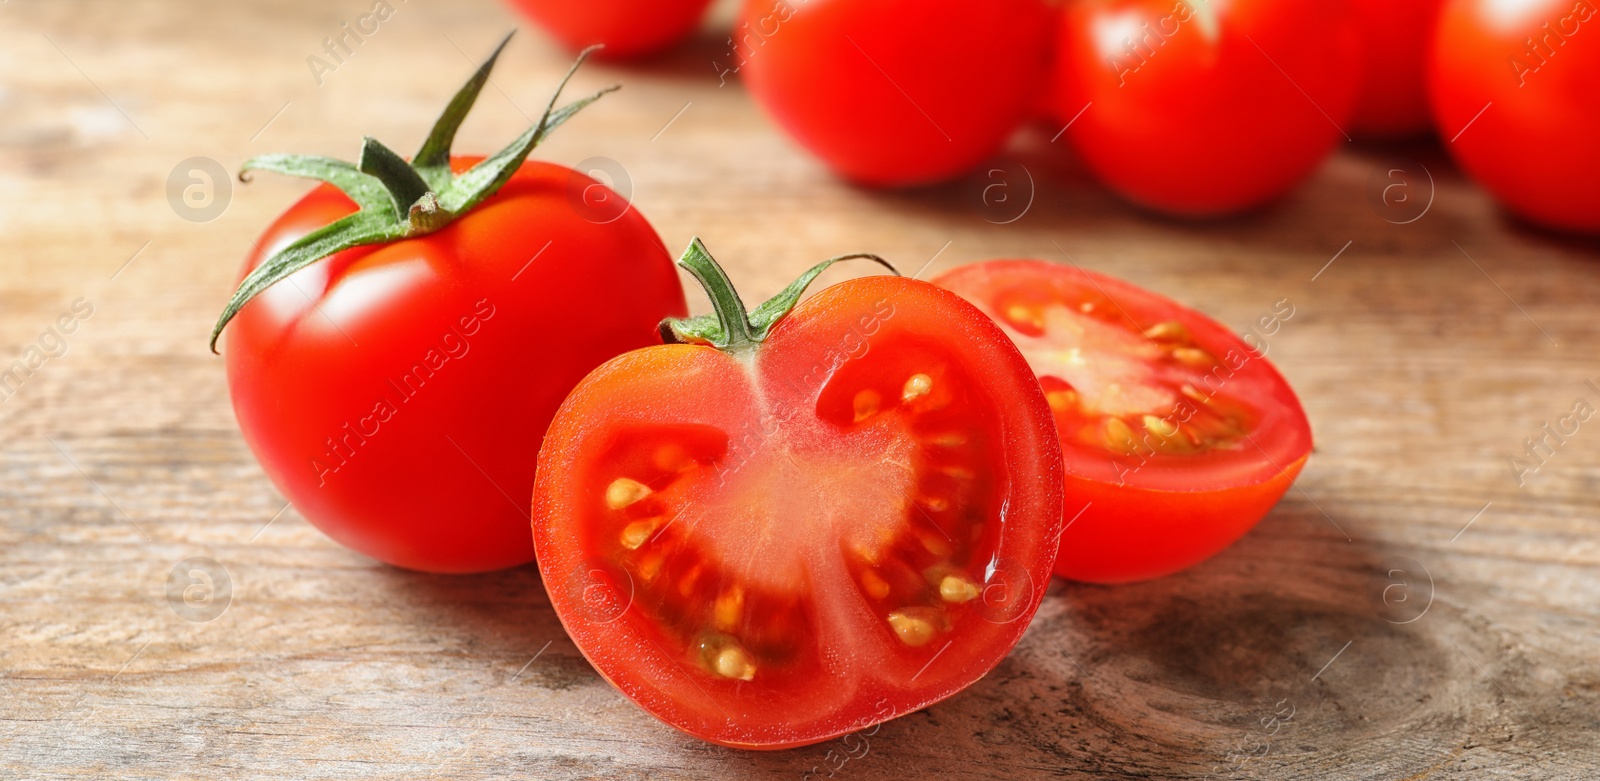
column 627, row 28
column 1177, row 436
column 1514, row 85
column 396, row 394
column 853, row 520
column 896, row 92
column 1206, row 108
column 1395, row 39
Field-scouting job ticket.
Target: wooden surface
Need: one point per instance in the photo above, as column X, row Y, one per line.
column 1409, row 611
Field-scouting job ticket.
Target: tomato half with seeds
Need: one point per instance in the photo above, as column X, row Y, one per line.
column 1177, row 435
column 794, row 526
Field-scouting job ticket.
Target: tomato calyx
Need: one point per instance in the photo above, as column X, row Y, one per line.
column 399, row 199
column 729, row 327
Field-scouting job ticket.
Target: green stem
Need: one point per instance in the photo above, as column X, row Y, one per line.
column 730, row 327
column 725, row 302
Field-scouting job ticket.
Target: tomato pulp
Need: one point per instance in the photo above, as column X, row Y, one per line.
column 775, row 543
column 1177, row 437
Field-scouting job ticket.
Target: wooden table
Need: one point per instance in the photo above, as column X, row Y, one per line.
column 1410, row 610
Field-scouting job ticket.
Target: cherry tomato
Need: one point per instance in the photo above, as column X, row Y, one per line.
column 896, row 92
column 1395, row 37
column 1177, row 435
column 396, row 393
column 1513, row 85
column 774, row 535
column 1206, row 108
column 627, row 28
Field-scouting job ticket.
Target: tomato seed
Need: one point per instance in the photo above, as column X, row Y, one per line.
column 914, row 625
column 1118, row 435
column 671, row 457
column 733, row 662
column 954, row 588
column 1159, row 427
column 916, row 387
column 874, row 584
column 638, row 533
column 1169, row 331
column 1062, row 400
column 728, row 609
column 625, row 491
column 1193, row 356
column 866, row 404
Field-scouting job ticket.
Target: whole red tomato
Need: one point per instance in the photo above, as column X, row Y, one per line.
column 1206, row 108
column 627, row 28
column 797, row 525
column 1177, row 436
column 895, row 92
column 1515, row 86
column 396, row 391
column 1395, row 38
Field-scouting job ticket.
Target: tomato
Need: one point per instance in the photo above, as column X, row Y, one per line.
column 627, row 28
column 1513, row 86
column 1395, row 37
column 1206, row 108
column 777, row 534
column 395, row 391
column 1177, row 436
column 896, row 92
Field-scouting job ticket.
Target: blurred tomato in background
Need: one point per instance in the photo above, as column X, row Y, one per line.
column 1205, row 108
column 1515, row 86
column 627, row 28
column 1395, row 38
column 896, row 92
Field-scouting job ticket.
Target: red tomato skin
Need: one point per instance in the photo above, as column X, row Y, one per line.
column 717, row 382
column 1208, row 125
column 1172, row 530
column 470, row 362
column 1395, row 38
column 896, row 93
column 629, row 29
column 1513, row 88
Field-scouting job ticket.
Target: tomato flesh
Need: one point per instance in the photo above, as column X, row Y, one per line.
column 844, row 502
column 1176, row 435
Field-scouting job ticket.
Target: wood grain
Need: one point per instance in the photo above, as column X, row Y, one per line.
column 1425, row 354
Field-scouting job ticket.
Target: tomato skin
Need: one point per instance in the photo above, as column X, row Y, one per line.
column 1518, row 108
column 1395, row 39
column 1205, row 123
column 607, row 616
column 1139, row 516
column 896, row 92
column 1127, row 534
column 628, row 28
column 396, row 394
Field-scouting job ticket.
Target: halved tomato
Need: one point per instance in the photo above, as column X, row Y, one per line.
column 1177, row 436
column 792, row 527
